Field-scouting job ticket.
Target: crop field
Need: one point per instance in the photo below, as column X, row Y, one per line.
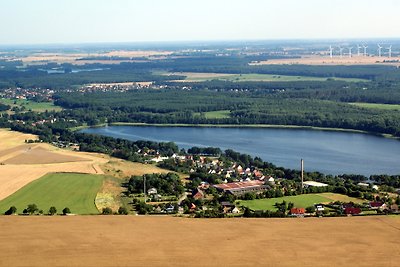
column 201, row 77
column 22, row 163
column 30, row 105
column 73, row 190
column 301, row 201
column 75, row 58
column 377, row 106
column 326, row 60
column 171, row 241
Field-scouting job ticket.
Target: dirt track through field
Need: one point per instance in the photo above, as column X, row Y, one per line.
column 166, row 241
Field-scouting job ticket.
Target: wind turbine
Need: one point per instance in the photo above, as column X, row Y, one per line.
column 380, row 50
column 365, row 50
column 390, row 50
column 350, row 49
column 358, row 50
column 341, row 51
column 331, row 51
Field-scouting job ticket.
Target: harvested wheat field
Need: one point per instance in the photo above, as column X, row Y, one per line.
column 41, row 155
column 168, row 241
column 22, row 163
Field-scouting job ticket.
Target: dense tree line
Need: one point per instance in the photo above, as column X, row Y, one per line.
column 179, row 106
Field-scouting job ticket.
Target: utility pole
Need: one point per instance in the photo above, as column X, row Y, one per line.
column 302, row 175
column 144, row 187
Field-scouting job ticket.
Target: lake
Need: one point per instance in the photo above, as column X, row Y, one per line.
column 329, row 152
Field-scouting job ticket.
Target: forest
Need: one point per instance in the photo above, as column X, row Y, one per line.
column 301, row 103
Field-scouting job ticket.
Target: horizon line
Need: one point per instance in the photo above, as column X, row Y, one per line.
column 203, row 41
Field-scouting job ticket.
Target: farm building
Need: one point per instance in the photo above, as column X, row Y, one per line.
column 376, row 205
column 297, row 211
column 240, row 188
column 352, row 211
column 313, row 184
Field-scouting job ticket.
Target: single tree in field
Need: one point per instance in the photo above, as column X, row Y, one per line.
column 32, row 208
column 52, row 210
column 12, row 210
column 66, row 211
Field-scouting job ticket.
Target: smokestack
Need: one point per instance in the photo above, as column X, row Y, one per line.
column 302, row 175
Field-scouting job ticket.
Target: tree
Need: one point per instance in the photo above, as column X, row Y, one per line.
column 12, row 210
column 52, row 210
column 32, row 208
column 66, row 211
column 310, row 209
column 122, row 211
column 107, row 211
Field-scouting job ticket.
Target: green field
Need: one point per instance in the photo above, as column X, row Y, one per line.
column 30, row 105
column 301, row 201
column 219, row 114
column 377, row 106
column 253, row 77
column 72, row 190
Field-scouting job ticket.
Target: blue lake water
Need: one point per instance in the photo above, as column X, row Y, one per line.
column 326, row 151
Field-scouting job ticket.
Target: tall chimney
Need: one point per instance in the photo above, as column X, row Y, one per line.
column 302, row 175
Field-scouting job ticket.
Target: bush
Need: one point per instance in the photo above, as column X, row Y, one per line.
column 12, row 210
column 310, row 209
column 107, row 211
column 122, row 211
column 66, row 211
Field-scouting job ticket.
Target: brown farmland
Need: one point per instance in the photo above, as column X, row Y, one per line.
column 22, row 163
column 168, row 241
column 326, row 60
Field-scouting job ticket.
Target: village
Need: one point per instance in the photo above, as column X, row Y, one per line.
column 224, row 188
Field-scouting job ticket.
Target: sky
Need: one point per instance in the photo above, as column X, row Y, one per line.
column 91, row 21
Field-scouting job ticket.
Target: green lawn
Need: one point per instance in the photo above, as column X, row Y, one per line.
column 301, row 201
column 377, row 106
column 72, row 190
column 30, row 105
column 219, row 114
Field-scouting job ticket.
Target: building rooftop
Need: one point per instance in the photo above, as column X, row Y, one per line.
column 312, row 183
column 239, row 185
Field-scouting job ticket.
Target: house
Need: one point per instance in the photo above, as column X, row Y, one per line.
column 319, row 207
column 228, row 207
column 198, row 194
column 297, row 211
column 235, row 210
column 152, row 191
column 376, row 205
column 204, row 185
column 352, row 211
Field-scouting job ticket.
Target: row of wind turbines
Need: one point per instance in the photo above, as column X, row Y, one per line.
column 359, row 51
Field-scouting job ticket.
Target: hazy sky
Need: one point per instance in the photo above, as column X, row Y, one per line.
column 82, row 21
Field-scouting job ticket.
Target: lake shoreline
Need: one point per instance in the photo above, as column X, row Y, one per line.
column 267, row 126
column 330, row 151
